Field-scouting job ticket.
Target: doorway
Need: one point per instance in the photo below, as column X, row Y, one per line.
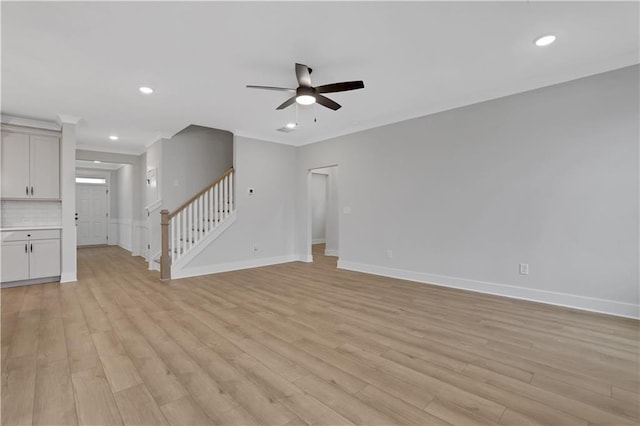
column 92, row 211
column 323, row 213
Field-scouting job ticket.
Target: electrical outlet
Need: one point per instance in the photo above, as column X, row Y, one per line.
column 389, row 253
column 524, row 269
column 254, row 247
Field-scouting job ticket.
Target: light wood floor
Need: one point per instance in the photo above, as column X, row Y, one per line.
column 303, row 344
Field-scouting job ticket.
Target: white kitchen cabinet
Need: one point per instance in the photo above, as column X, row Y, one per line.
column 44, row 258
column 30, row 165
column 15, row 165
column 44, row 167
column 30, row 255
column 15, row 261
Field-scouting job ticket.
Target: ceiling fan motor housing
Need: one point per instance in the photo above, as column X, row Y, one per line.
column 306, row 91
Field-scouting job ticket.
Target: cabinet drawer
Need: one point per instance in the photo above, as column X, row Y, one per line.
column 40, row 234
column 45, row 234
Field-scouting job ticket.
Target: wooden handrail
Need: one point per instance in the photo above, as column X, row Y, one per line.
column 199, row 193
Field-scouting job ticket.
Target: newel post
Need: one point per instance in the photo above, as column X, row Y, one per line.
column 165, row 260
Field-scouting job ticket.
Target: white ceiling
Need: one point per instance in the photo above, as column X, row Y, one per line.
column 87, row 59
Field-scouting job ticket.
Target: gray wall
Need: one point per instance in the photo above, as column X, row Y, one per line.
column 547, row 177
column 265, row 219
column 190, row 160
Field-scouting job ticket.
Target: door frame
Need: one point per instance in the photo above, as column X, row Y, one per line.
column 309, row 230
column 106, row 175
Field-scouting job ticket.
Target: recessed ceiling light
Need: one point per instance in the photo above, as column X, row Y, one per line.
column 146, row 90
column 545, row 40
column 114, row 137
column 97, row 161
column 291, row 125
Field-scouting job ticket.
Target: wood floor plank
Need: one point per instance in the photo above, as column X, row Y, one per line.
column 120, row 371
column 303, row 344
column 54, row 402
column 18, row 390
column 312, row 411
column 95, row 403
column 184, row 411
column 345, row 404
column 138, row 407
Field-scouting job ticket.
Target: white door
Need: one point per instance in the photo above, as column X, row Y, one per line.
column 91, row 208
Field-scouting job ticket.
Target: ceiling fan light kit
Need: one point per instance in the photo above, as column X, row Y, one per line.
column 306, row 94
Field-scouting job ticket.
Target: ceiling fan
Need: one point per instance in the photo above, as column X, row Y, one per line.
column 306, row 94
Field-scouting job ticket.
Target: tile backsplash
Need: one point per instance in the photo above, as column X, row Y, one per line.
column 30, row 213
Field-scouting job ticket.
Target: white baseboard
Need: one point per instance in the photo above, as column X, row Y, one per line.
column 308, row 258
column 127, row 247
column 318, row 241
column 233, row 266
column 591, row 304
column 331, row 252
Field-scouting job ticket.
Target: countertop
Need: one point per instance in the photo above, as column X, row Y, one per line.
column 29, row 228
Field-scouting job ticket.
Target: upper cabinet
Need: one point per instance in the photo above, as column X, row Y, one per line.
column 30, row 165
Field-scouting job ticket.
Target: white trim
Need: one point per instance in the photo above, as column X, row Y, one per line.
column 318, row 241
column 234, row 266
column 139, row 232
column 308, row 258
column 331, row 252
column 33, row 281
column 68, row 277
column 153, row 206
column 27, row 122
column 591, row 304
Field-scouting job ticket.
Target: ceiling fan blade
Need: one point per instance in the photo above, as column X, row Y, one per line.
column 324, row 101
column 303, row 75
column 287, row 103
column 340, row 87
column 279, row 89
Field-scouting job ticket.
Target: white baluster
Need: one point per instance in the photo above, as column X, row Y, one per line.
column 198, row 219
column 172, row 232
column 226, row 195
column 211, row 222
column 189, row 225
column 205, row 205
column 201, row 216
column 215, row 205
column 231, row 208
column 183, row 227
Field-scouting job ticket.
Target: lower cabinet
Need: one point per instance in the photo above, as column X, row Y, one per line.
column 29, row 255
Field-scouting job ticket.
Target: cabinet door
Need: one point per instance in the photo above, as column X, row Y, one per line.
column 15, row 165
column 45, row 167
column 15, row 261
column 44, row 260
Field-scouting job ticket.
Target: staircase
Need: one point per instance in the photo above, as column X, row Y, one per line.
column 186, row 231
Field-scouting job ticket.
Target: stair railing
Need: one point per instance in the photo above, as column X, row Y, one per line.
column 184, row 227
